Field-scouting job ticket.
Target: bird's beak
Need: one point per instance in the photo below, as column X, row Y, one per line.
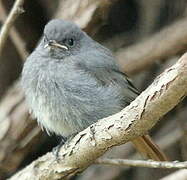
column 55, row 44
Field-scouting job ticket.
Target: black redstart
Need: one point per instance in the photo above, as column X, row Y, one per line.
column 71, row 81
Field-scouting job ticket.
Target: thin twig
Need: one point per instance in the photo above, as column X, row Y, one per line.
column 15, row 12
column 14, row 36
column 143, row 163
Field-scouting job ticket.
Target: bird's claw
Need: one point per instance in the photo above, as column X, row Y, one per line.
column 56, row 149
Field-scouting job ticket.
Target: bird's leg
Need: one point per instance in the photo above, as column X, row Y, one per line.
column 64, row 141
column 56, row 149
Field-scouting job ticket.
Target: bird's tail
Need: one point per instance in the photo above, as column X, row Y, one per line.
column 149, row 149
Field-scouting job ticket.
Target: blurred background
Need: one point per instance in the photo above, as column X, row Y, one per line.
column 145, row 36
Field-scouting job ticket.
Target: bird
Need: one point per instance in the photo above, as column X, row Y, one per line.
column 71, row 81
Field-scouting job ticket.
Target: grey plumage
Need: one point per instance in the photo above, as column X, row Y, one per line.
column 69, row 89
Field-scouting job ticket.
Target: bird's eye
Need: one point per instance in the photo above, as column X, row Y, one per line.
column 70, row 42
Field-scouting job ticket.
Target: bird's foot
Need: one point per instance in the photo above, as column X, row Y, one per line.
column 56, row 149
column 64, row 142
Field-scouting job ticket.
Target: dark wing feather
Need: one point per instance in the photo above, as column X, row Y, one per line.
column 107, row 76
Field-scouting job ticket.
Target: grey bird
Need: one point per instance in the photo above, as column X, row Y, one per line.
column 71, row 81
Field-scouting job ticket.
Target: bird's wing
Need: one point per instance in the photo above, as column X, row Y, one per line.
column 107, row 76
column 144, row 144
column 112, row 77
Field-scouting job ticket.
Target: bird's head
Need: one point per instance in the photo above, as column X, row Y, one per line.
column 62, row 38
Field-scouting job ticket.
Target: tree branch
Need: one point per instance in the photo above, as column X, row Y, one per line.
column 142, row 163
column 136, row 119
column 16, row 10
column 169, row 41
